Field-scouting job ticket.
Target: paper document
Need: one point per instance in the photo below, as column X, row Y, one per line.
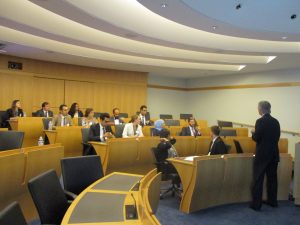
column 190, row 158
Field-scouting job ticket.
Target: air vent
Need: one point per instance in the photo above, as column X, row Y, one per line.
column 14, row 65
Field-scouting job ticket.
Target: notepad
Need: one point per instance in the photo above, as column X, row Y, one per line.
column 190, row 158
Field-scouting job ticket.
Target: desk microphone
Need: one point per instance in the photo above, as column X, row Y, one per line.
column 131, row 210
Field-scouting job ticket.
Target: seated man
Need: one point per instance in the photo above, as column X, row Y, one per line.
column 63, row 118
column 44, row 111
column 191, row 130
column 101, row 131
column 145, row 119
column 217, row 146
column 116, row 117
column 165, row 147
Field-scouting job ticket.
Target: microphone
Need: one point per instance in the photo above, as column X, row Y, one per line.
column 130, row 210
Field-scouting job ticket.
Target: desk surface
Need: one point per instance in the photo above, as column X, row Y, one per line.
column 103, row 202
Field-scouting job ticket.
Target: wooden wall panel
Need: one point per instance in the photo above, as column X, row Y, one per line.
column 50, row 90
column 102, row 89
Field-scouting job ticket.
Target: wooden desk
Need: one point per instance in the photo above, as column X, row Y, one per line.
column 69, row 137
column 32, row 126
column 104, row 202
column 3, row 129
column 215, row 180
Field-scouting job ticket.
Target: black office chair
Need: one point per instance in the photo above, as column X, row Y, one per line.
column 172, row 123
column 228, row 133
column 97, row 114
column 224, row 123
column 80, row 172
column 123, row 115
column 185, row 116
column 165, row 116
column 238, row 147
column 50, row 199
column 11, row 140
column 228, row 148
column 119, row 130
column 46, row 121
column 12, row 215
column 168, row 173
column 33, row 114
column 87, row 148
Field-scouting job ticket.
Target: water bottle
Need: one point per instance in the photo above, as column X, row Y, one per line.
column 50, row 125
column 40, row 141
column 24, row 114
column 83, row 123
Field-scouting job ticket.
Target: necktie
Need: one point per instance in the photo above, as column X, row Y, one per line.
column 65, row 121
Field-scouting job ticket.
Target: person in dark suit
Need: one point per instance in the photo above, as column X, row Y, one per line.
column 116, row 117
column 14, row 111
column 144, row 116
column 191, row 130
column 266, row 135
column 75, row 111
column 217, row 146
column 165, row 147
column 101, row 131
column 44, row 111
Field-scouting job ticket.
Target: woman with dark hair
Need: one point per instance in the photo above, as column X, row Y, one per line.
column 89, row 119
column 14, row 111
column 75, row 111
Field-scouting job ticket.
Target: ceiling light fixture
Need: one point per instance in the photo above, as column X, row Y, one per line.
column 214, row 27
column 2, row 51
column 241, row 67
column 284, row 37
column 294, row 16
column 270, row 58
column 238, row 6
column 164, row 5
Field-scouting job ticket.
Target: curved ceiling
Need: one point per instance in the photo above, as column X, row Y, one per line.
column 130, row 36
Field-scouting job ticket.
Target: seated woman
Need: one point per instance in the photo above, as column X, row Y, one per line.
column 89, row 119
column 158, row 127
column 165, row 147
column 133, row 128
column 14, row 111
column 75, row 111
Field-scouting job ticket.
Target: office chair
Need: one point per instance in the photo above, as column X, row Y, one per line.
column 228, row 133
column 46, row 121
column 49, row 198
column 168, row 173
column 238, row 147
column 123, row 115
column 33, row 114
column 165, row 116
column 11, row 140
column 80, row 172
column 172, row 123
column 224, row 123
column 185, row 116
column 87, row 148
column 12, row 215
column 228, row 148
column 119, row 130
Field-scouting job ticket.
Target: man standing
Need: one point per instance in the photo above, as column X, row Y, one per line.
column 266, row 135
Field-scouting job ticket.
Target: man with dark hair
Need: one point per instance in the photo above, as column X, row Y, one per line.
column 63, row 118
column 44, row 111
column 266, row 135
column 144, row 116
column 191, row 130
column 116, row 117
column 101, row 131
column 217, row 146
column 165, row 147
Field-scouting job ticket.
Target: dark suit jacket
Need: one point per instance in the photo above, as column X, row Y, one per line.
column 163, row 148
column 40, row 113
column 94, row 134
column 266, row 136
column 112, row 119
column 186, row 131
column 218, row 148
column 80, row 114
column 9, row 114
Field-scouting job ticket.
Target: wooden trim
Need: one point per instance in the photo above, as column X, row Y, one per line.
column 226, row 87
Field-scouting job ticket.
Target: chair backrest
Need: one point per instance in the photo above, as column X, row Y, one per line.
column 224, row 123
column 2, row 114
column 34, row 114
column 11, row 140
column 228, row 148
column 97, row 114
column 153, row 193
column 46, row 121
column 185, row 116
column 119, row 130
column 12, row 215
column 165, row 116
column 85, row 134
column 154, row 151
column 147, row 115
column 80, row 172
column 238, row 146
column 123, row 115
column 48, row 197
column 172, row 122
column 227, row 132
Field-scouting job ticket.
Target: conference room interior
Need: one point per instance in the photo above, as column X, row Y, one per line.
column 208, row 62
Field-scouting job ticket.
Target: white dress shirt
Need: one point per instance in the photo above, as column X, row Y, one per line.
column 212, row 144
column 129, row 131
column 102, row 138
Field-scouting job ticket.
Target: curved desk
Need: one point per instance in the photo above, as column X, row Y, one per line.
column 104, row 202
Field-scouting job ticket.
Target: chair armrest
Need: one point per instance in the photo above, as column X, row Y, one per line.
column 70, row 196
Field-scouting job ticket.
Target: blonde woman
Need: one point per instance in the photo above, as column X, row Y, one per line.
column 133, row 128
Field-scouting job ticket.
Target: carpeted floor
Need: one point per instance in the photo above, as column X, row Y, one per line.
column 236, row 214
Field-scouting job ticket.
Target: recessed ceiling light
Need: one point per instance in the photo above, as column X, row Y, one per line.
column 164, row 5
column 214, row 27
column 242, row 67
column 2, row 51
column 270, row 58
column 283, row 38
column 238, row 6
